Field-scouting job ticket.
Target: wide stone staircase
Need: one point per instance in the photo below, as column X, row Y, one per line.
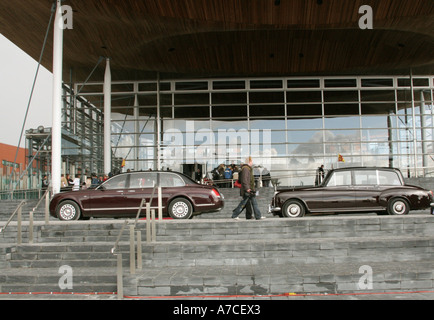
column 214, row 256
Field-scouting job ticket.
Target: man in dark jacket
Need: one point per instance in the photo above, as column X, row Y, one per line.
column 247, row 191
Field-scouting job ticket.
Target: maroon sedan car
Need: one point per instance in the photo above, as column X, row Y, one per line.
column 362, row 189
column 121, row 195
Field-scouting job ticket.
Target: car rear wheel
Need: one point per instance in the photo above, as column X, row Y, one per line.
column 180, row 208
column 293, row 209
column 68, row 211
column 398, row 206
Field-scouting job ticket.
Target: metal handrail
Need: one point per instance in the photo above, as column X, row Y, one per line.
column 40, row 200
column 22, row 203
column 142, row 202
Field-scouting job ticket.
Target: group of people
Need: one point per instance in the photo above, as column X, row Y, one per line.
column 75, row 183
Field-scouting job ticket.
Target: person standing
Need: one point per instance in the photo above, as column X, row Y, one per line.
column 76, row 185
column 247, row 191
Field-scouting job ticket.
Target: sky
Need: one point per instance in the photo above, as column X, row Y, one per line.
column 17, row 72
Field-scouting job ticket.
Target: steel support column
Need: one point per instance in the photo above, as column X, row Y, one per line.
column 107, row 118
column 56, row 139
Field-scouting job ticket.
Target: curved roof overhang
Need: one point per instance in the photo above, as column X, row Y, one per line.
column 203, row 38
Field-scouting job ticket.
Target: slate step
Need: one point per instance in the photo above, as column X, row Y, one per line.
column 280, row 279
column 47, row 280
column 228, row 229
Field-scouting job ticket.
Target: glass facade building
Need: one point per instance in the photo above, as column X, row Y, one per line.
column 288, row 125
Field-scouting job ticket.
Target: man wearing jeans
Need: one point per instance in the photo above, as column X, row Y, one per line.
column 247, row 191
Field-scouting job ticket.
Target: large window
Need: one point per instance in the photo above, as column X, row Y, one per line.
column 289, row 125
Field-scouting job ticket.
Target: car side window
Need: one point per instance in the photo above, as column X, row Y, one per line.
column 341, row 178
column 170, row 180
column 143, row 180
column 117, row 182
column 365, row 177
column 389, row 178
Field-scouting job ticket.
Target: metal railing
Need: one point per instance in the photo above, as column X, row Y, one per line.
column 150, row 237
column 18, row 212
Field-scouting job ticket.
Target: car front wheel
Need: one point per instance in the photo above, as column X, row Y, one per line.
column 68, row 211
column 398, row 207
column 180, row 208
column 293, row 209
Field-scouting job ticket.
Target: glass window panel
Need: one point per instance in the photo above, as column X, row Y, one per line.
column 274, row 124
column 265, row 84
column 403, row 95
column 183, row 125
column 341, row 96
column 151, row 86
column 377, row 82
column 420, row 82
column 342, row 122
column 422, row 95
column 304, row 110
column 376, row 148
column 228, row 85
column 266, row 97
column 239, row 124
column 310, row 123
column 266, row 110
column 404, row 82
column 202, row 85
column 377, row 95
column 229, row 97
column 191, row 99
column 375, row 135
column 192, row 112
column 341, row 109
column 166, row 112
column 166, row 99
column 300, row 83
column 378, row 108
column 306, row 149
column 147, row 100
column 305, row 136
column 405, row 109
column 340, row 83
column 377, row 122
column 303, row 96
column 229, row 111
column 342, row 135
column 120, row 112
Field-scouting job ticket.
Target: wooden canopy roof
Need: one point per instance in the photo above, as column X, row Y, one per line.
column 207, row 38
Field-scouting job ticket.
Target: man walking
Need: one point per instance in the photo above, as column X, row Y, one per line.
column 247, row 191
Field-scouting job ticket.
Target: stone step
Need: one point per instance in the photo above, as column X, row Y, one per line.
column 213, row 256
column 228, row 229
column 262, row 252
column 47, row 280
column 280, row 279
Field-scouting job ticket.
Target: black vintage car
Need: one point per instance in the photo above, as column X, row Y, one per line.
column 361, row 189
column 121, row 195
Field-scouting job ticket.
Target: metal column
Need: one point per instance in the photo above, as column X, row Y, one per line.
column 56, row 139
column 107, row 118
